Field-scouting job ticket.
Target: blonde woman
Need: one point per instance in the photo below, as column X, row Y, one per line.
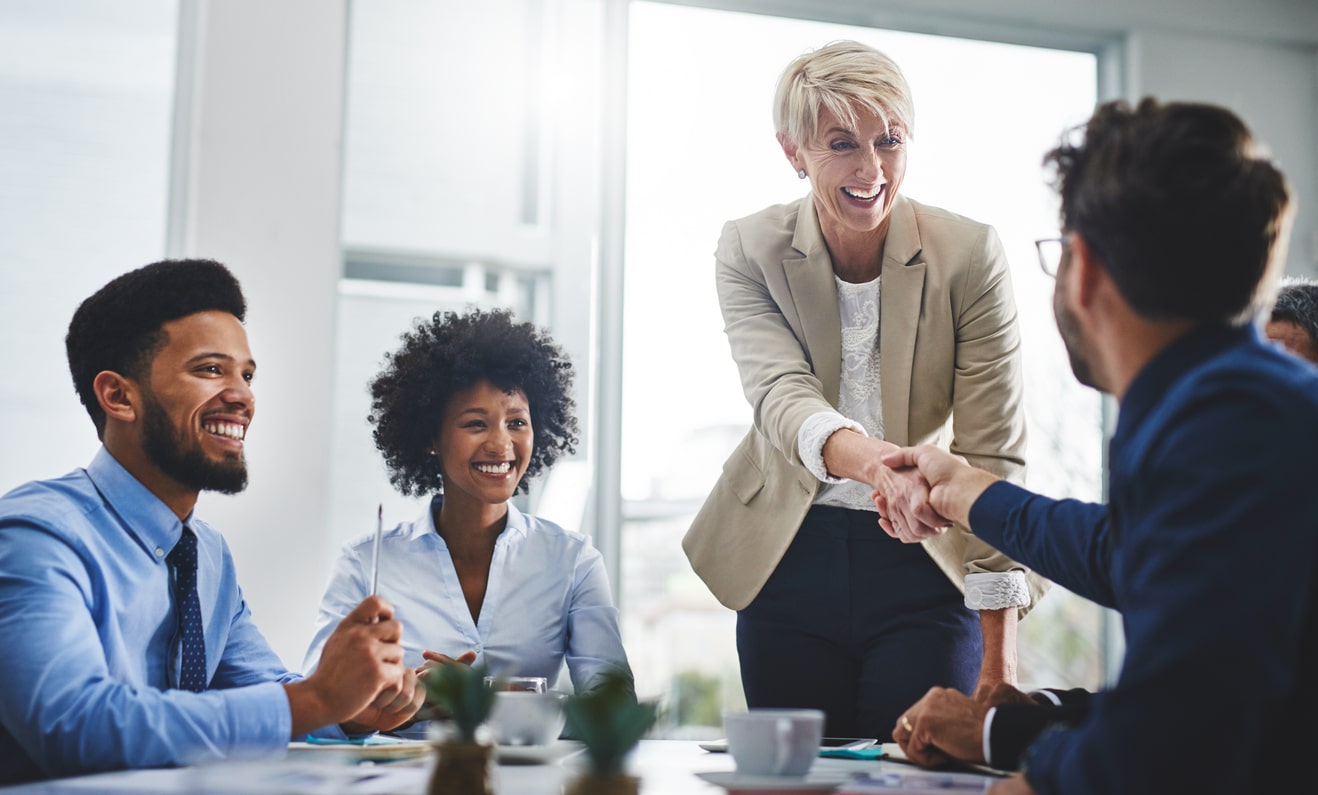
column 861, row 320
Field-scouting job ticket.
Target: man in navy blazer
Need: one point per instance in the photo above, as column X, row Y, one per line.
column 997, row 731
column 1174, row 236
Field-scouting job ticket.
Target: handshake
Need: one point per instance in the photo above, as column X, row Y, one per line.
column 922, row 491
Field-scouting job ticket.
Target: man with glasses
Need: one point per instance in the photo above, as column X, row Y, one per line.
column 1208, row 546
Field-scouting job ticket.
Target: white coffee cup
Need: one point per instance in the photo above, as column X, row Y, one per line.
column 774, row 742
column 521, row 717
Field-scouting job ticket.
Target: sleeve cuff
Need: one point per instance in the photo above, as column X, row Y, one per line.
column 988, row 732
column 814, row 432
column 996, row 590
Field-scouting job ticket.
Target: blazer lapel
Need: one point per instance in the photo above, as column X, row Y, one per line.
column 902, row 290
column 809, row 272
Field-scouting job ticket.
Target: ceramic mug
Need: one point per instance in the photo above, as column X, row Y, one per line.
column 523, row 717
column 774, row 742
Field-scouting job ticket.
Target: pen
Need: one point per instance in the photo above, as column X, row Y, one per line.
column 375, row 558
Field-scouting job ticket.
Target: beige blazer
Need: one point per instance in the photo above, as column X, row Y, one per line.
column 949, row 350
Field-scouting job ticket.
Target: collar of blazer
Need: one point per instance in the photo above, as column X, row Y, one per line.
column 902, row 291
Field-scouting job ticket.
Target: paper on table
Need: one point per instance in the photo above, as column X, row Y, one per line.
column 916, row 781
column 376, row 748
column 894, row 753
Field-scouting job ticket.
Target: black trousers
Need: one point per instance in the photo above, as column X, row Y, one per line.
column 857, row 624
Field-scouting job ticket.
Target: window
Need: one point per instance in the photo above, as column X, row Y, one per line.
column 701, row 150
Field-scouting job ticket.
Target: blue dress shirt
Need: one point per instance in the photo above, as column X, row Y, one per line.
column 1209, row 549
column 86, row 621
column 547, row 600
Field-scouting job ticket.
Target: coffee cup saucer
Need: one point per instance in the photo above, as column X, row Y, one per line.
column 737, row 783
column 536, row 754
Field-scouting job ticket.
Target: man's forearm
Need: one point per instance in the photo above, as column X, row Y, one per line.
column 998, row 628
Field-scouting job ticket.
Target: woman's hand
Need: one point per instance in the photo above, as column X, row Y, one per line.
column 905, row 513
column 433, row 660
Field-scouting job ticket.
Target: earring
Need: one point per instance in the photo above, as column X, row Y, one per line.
column 800, row 173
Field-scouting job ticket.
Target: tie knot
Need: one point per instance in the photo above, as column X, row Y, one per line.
column 184, row 554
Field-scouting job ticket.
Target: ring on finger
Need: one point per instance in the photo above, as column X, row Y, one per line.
column 906, row 724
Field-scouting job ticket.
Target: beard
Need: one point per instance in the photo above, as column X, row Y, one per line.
column 1073, row 339
column 167, row 448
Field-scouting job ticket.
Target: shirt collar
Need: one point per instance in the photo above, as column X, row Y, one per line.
column 517, row 524
column 1168, row 365
column 144, row 515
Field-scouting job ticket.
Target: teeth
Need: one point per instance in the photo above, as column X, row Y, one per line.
column 230, row 429
column 495, row 469
column 864, row 197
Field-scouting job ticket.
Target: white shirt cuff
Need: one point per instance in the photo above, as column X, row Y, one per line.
column 988, row 732
column 814, row 432
column 1048, row 694
column 996, row 590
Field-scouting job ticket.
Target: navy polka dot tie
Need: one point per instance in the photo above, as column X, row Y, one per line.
column 190, row 640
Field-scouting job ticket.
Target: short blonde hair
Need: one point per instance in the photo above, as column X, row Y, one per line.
column 842, row 76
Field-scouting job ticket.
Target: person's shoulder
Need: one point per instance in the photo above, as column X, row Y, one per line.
column 933, row 219
column 549, row 533
column 1259, row 383
column 62, row 506
column 772, row 227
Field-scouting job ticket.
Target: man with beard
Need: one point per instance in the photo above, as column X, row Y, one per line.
column 127, row 640
column 1208, row 546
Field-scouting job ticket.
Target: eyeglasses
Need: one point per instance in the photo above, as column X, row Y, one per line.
column 1051, row 251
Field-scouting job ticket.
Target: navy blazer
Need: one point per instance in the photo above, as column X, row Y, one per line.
column 1209, row 550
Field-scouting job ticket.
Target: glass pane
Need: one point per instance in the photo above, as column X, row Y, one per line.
column 701, row 151
column 87, row 88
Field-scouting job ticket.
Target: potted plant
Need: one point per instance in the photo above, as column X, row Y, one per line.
column 609, row 721
column 462, row 766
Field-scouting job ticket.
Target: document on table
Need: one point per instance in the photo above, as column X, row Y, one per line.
column 278, row 777
column 916, row 781
column 376, row 748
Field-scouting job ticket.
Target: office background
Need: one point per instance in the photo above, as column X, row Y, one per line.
column 359, row 164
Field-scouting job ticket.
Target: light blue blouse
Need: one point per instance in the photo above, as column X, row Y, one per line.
column 547, row 601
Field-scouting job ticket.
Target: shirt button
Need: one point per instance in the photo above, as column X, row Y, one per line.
column 477, row 648
column 160, row 553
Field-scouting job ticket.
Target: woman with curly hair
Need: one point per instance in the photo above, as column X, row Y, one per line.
column 467, row 410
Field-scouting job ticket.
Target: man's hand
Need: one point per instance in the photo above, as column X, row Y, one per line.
column 361, row 677
column 903, row 499
column 945, row 724
column 954, row 485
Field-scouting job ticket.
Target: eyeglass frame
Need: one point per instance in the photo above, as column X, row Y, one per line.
column 1048, row 263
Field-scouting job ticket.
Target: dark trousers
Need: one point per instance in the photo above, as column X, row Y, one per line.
column 857, row 624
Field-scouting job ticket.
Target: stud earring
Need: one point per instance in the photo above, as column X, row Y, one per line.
column 800, row 173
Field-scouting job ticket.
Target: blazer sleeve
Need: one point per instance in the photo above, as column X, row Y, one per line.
column 776, row 375
column 988, row 413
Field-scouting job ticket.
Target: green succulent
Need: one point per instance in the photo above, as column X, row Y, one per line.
column 609, row 720
column 461, row 693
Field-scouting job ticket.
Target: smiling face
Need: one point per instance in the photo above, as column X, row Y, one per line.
column 198, row 403
column 854, row 170
column 484, row 445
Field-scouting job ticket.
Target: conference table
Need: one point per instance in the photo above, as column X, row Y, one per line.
column 665, row 767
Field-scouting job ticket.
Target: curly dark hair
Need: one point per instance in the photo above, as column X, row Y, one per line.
column 1170, row 195
column 452, row 352
column 119, row 327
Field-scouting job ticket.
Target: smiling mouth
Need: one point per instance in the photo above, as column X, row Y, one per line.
column 495, row 469
column 865, row 197
column 228, row 430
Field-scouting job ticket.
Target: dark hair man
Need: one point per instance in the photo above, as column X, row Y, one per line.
column 1208, row 545
column 128, row 642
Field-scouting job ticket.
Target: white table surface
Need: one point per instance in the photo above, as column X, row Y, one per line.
column 666, row 767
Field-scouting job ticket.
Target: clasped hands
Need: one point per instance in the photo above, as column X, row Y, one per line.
column 906, row 492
